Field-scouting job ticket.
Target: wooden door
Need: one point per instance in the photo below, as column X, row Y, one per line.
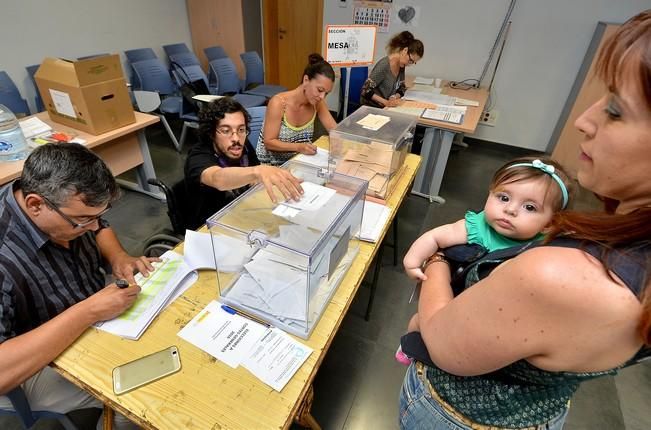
column 217, row 22
column 586, row 91
column 292, row 31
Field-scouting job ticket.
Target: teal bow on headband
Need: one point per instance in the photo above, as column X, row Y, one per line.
column 551, row 171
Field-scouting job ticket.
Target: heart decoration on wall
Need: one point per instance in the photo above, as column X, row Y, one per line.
column 406, row 14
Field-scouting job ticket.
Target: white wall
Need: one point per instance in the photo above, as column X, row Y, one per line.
column 545, row 48
column 31, row 30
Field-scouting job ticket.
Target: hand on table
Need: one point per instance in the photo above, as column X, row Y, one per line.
column 306, row 148
column 124, row 266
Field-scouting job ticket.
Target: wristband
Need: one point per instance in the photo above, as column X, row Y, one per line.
column 435, row 258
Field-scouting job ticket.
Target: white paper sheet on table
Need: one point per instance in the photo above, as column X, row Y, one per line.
column 226, row 336
column 426, row 88
column 428, row 97
column 170, row 279
column 320, row 159
column 33, row 127
column 374, row 219
column 276, row 357
column 373, row 122
column 424, row 81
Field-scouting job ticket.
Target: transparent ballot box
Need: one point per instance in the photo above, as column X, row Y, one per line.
column 372, row 144
column 282, row 262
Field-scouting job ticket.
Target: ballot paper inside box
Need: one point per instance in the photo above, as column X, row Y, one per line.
column 287, row 259
column 372, row 144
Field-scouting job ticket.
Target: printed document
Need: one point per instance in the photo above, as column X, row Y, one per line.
column 428, row 97
column 276, row 357
column 373, row 122
column 171, row 277
column 226, row 336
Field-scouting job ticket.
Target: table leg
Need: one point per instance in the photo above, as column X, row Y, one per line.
column 376, row 275
column 304, row 415
column 144, row 171
column 108, row 418
column 435, row 152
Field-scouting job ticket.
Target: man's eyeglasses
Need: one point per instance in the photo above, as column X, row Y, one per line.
column 411, row 60
column 88, row 220
column 229, row 132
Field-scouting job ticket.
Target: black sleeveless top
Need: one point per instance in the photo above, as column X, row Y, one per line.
column 522, row 395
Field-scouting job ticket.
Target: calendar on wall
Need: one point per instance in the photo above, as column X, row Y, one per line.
column 372, row 13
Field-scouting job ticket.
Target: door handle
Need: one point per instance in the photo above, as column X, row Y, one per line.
column 282, row 31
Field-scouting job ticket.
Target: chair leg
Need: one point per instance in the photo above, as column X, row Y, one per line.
column 184, row 132
column 170, row 132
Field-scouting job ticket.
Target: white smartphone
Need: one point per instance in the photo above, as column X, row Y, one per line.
column 146, row 369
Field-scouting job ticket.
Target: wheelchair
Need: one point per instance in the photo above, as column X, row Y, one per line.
column 177, row 207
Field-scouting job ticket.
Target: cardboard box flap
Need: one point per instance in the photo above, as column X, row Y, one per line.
column 98, row 69
column 80, row 73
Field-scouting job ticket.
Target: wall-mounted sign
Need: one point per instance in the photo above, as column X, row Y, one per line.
column 350, row 45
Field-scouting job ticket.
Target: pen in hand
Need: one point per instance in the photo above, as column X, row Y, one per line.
column 122, row 283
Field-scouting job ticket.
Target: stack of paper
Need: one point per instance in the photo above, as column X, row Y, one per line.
column 33, row 127
column 428, row 97
column 374, row 219
column 269, row 353
column 171, row 278
column 320, row 159
column 453, row 114
column 424, row 81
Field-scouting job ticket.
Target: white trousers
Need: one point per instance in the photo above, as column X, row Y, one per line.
column 49, row 391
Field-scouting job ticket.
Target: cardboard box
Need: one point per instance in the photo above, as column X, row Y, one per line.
column 89, row 95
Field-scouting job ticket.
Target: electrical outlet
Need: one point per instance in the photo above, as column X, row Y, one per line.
column 489, row 117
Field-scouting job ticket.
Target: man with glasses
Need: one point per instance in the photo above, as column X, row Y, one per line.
column 223, row 164
column 52, row 286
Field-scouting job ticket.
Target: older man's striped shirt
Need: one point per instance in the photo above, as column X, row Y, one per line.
column 40, row 279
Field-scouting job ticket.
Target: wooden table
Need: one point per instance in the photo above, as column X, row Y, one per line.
column 438, row 140
column 121, row 149
column 206, row 393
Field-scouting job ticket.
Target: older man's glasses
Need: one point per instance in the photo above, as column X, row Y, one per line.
column 81, row 221
column 230, row 132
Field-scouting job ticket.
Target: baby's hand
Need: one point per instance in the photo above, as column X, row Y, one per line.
column 415, row 273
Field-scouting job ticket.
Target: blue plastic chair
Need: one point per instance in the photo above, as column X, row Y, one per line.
column 27, row 416
column 154, row 76
column 31, row 70
column 358, row 76
column 255, row 125
column 175, row 48
column 223, row 72
column 214, row 53
column 88, row 57
column 140, row 54
column 254, row 83
column 185, row 59
column 10, row 96
column 134, row 56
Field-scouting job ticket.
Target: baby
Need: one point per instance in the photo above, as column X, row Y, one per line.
column 523, row 196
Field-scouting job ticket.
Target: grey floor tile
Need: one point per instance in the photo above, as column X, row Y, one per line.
column 376, row 404
column 634, row 390
column 595, row 406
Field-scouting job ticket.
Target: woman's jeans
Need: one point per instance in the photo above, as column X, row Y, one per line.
column 419, row 411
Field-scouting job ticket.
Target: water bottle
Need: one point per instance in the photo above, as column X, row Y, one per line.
column 12, row 142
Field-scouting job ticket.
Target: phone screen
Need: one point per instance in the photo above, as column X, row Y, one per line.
column 146, row 369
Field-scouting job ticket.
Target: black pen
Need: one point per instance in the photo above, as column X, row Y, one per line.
column 122, row 283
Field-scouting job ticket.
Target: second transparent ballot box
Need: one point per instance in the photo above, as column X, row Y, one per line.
column 372, row 144
column 282, row 262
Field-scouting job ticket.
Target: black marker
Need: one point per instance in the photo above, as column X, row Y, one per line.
column 121, row 283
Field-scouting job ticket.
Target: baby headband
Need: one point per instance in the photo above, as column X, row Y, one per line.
column 549, row 169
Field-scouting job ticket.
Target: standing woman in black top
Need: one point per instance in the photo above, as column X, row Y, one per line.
column 386, row 83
